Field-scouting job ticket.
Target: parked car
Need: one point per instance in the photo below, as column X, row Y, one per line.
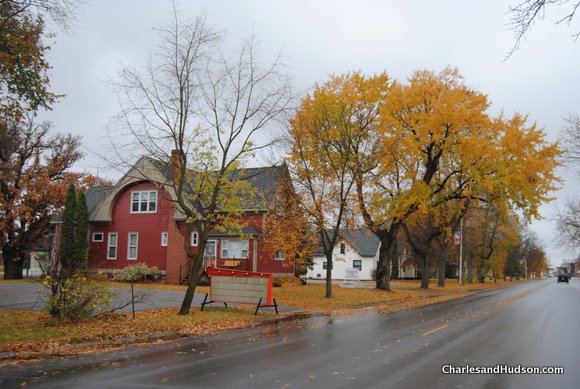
column 564, row 277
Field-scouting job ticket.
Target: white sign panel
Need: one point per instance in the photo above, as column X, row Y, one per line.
column 246, row 290
column 351, row 274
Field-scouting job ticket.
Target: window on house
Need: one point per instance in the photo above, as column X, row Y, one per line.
column 325, row 265
column 132, row 245
column 357, row 264
column 342, row 248
column 144, row 201
column 235, row 248
column 164, row 238
column 112, row 245
column 279, row 255
column 98, row 237
column 194, row 238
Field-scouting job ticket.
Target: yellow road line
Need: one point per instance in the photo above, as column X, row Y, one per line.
column 435, row 330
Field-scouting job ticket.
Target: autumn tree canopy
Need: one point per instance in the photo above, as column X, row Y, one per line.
column 326, row 134
column 34, row 178
column 428, row 142
column 23, row 66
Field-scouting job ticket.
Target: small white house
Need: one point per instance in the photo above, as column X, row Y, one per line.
column 357, row 249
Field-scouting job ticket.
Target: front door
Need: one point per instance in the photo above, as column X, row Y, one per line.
column 210, row 254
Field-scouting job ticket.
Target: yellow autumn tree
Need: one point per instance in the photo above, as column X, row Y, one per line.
column 326, row 135
column 437, row 144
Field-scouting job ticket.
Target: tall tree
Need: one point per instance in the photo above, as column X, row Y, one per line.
column 288, row 233
column 75, row 228
column 82, row 230
column 438, row 145
column 34, row 178
column 23, row 66
column 568, row 218
column 214, row 110
column 326, row 134
column 68, row 250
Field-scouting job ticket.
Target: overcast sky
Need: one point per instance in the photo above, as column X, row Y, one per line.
column 319, row 38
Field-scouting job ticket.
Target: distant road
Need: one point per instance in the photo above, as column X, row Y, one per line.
column 530, row 324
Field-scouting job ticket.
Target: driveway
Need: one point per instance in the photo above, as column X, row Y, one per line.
column 32, row 296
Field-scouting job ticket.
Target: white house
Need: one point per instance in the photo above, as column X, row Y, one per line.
column 357, row 248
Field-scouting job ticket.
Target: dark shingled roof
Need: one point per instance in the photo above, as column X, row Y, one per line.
column 361, row 239
column 93, row 195
column 264, row 180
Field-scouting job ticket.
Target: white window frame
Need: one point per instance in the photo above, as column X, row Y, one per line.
column 164, row 238
column 240, row 245
column 98, row 240
column 194, row 239
column 130, row 246
column 357, row 267
column 279, row 255
column 140, row 200
column 110, row 246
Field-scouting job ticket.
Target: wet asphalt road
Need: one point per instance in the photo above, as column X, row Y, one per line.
column 531, row 324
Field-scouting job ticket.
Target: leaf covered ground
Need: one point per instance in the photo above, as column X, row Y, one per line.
column 26, row 334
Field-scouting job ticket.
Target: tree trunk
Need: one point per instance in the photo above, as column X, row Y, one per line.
column 328, row 275
column 384, row 264
column 469, row 269
column 387, row 250
column 13, row 267
column 441, row 273
column 195, row 274
column 426, row 272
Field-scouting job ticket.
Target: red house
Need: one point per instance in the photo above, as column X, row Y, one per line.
column 136, row 221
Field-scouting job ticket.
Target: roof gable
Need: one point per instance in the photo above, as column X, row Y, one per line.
column 264, row 180
column 362, row 240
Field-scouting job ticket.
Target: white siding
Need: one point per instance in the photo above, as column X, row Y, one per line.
column 343, row 261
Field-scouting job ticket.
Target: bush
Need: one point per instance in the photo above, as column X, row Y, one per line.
column 140, row 272
column 74, row 298
column 277, row 282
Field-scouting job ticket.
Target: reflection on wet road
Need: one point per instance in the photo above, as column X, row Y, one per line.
column 531, row 324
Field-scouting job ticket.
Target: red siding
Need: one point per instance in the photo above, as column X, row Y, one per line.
column 171, row 258
column 149, row 226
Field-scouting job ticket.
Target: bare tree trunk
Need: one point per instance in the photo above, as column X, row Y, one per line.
column 383, row 281
column 13, row 267
column 328, row 275
column 426, row 272
column 196, row 270
column 441, row 272
column 387, row 250
column 469, row 269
